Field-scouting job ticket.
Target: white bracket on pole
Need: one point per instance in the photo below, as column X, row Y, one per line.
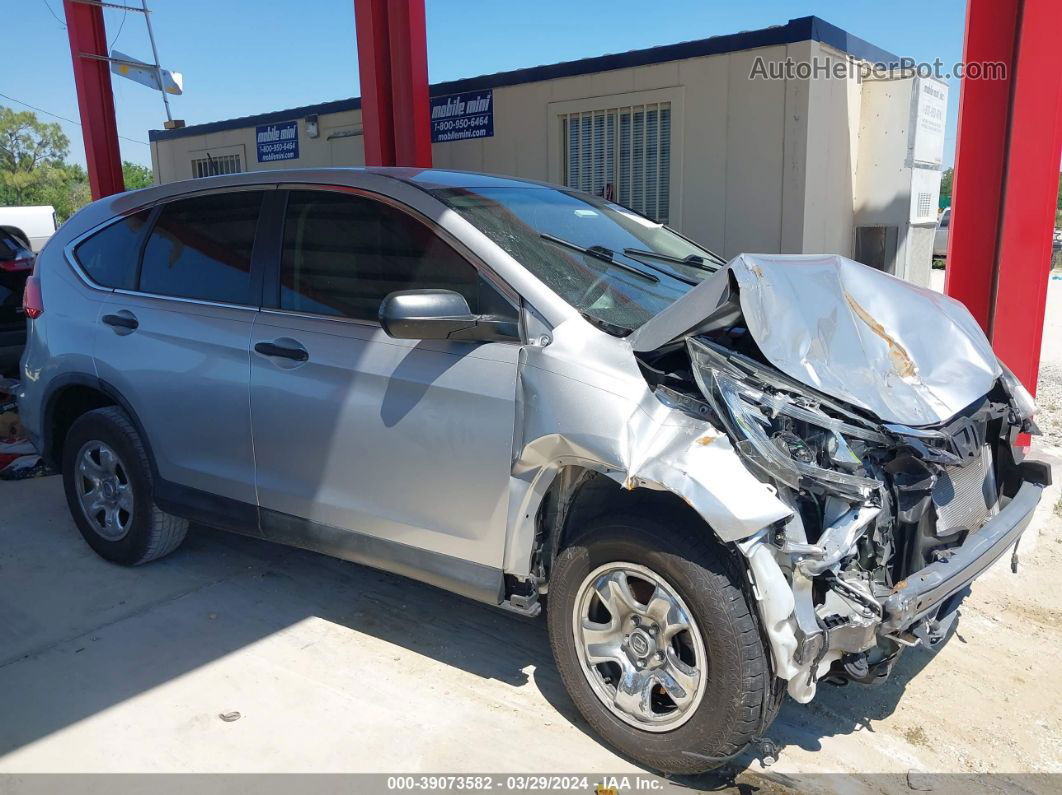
column 151, row 75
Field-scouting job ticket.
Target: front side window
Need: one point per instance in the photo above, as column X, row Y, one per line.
column 201, row 248
column 613, row 265
column 110, row 256
column 343, row 254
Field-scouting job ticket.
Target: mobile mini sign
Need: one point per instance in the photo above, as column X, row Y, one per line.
column 457, row 117
column 277, row 141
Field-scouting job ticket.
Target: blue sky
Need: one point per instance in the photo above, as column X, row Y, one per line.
column 250, row 56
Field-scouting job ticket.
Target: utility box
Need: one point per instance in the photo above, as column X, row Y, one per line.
column 901, row 147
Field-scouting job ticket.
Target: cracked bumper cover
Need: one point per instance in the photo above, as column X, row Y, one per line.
column 922, row 592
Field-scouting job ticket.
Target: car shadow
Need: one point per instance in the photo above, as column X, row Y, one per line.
column 135, row 629
column 231, row 591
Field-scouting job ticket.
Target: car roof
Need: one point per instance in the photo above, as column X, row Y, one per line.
column 381, row 179
column 372, row 178
column 423, row 178
column 436, row 178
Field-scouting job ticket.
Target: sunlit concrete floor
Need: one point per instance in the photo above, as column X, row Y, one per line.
column 336, row 667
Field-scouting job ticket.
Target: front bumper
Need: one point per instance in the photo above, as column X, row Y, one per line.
column 923, row 592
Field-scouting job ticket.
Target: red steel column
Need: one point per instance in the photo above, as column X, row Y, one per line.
column 409, row 83
column 374, row 66
column 92, row 77
column 1030, row 189
column 980, row 152
column 1006, row 176
column 393, row 64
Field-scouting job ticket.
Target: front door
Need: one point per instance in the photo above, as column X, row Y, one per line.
column 406, row 441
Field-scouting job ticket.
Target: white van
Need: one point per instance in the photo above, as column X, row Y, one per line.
column 940, row 239
column 33, row 224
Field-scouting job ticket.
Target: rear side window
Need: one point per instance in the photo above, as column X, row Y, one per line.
column 201, row 248
column 109, row 257
column 343, row 254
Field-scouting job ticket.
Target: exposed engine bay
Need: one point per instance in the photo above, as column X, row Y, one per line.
column 898, row 499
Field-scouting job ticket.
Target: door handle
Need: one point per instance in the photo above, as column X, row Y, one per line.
column 272, row 349
column 127, row 321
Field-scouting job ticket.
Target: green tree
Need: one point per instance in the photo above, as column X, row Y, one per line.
column 946, row 180
column 30, row 153
column 136, row 176
column 33, row 168
column 66, row 189
column 1058, row 206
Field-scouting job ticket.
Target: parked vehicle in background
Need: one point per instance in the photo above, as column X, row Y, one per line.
column 730, row 480
column 16, row 264
column 33, row 225
column 940, row 239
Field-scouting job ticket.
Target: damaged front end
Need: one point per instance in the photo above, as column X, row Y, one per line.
column 890, row 522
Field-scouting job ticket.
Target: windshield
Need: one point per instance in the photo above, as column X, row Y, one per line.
column 613, row 265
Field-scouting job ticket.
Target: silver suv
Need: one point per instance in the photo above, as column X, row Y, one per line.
column 729, row 480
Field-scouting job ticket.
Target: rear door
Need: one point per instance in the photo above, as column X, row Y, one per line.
column 173, row 336
column 405, row 440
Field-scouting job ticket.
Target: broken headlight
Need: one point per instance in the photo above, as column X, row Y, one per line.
column 785, row 434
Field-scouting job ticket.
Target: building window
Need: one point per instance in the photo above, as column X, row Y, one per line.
column 622, row 154
column 925, row 205
column 213, row 165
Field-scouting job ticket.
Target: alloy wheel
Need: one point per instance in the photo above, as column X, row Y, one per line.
column 641, row 651
column 104, row 491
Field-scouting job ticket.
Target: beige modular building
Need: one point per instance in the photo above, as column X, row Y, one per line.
column 764, row 141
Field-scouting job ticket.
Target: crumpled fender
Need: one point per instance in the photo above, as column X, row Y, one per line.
column 605, row 418
column 670, row 450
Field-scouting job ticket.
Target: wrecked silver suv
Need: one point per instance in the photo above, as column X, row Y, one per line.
column 724, row 480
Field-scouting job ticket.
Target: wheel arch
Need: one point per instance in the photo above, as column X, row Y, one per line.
column 73, row 395
column 579, row 494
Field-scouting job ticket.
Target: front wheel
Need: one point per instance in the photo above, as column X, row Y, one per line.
column 656, row 644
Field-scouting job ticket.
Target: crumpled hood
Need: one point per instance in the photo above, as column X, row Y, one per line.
column 909, row 355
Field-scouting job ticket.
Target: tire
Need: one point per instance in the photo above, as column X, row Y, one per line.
column 738, row 695
column 126, row 527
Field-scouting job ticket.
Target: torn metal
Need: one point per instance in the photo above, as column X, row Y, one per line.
column 848, row 434
column 907, row 354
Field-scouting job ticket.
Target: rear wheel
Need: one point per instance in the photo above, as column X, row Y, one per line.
column 656, row 644
column 107, row 478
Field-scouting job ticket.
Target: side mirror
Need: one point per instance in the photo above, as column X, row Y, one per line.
column 439, row 315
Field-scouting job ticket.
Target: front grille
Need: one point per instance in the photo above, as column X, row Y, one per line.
column 965, row 497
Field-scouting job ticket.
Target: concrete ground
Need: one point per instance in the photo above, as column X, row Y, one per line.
column 1049, row 389
column 333, row 667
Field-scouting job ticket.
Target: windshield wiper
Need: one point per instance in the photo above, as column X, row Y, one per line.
column 600, row 253
column 693, row 260
column 604, row 325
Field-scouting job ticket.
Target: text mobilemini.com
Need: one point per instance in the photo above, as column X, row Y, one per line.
column 846, row 69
